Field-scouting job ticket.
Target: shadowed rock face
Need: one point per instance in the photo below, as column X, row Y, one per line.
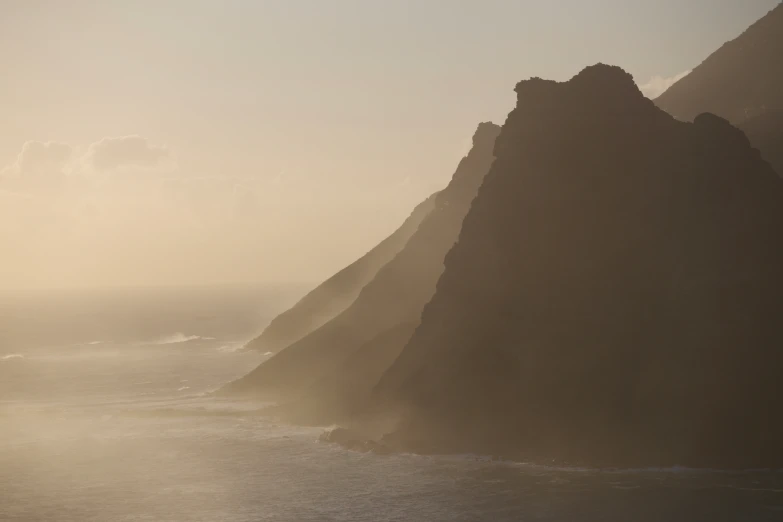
column 765, row 132
column 335, row 294
column 742, row 82
column 344, row 394
column 614, row 297
column 343, row 359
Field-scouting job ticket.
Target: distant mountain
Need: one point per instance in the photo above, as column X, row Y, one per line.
column 335, row 294
column 614, row 297
column 738, row 81
column 741, row 82
column 336, row 365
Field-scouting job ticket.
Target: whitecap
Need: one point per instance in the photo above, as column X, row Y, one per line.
column 11, row 356
column 177, row 338
column 230, row 348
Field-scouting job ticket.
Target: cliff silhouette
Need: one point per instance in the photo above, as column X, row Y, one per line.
column 614, row 295
column 334, row 295
column 336, row 365
column 741, row 82
column 765, row 132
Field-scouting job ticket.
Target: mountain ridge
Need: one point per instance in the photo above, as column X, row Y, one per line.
column 331, row 297
column 393, row 298
column 741, row 79
column 577, row 332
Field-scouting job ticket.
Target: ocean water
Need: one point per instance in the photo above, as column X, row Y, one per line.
column 106, row 415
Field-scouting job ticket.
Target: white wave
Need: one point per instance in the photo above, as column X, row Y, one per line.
column 180, row 337
column 231, row 348
column 766, row 490
column 668, row 470
column 11, row 356
column 95, row 342
column 267, row 354
column 183, row 388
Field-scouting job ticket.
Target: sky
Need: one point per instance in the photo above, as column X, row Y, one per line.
column 196, row 142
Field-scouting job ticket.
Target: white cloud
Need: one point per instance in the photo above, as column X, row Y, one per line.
column 657, row 85
column 39, row 166
column 125, row 151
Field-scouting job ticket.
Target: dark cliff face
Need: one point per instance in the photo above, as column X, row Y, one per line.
column 377, row 324
column 335, row 294
column 614, row 296
column 740, row 80
column 765, row 132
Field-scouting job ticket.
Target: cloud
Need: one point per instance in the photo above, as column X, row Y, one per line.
column 39, row 165
column 125, row 151
column 657, row 85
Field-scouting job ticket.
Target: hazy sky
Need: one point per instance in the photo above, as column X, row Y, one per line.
column 187, row 141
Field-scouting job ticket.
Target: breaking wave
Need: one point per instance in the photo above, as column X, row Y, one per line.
column 231, row 348
column 180, row 337
column 11, row 356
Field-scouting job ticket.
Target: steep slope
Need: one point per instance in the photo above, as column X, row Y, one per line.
column 335, row 294
column 344, row 395
column 393, row 298
column 614, row 296
column 740, row 80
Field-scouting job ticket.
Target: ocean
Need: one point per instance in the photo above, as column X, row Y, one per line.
column 106, row 414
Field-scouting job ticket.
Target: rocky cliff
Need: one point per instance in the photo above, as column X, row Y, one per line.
column 334, row 368
column 335, row 294
column 765, row 132
column 742, row 82
column 614, row 297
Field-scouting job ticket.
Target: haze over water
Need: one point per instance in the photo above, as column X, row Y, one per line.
column 126, row 430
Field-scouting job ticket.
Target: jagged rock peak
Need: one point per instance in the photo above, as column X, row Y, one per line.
column 599, row 93
column 606, row 81
column 716, row 126
column 610, row 252
column 485, row 134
